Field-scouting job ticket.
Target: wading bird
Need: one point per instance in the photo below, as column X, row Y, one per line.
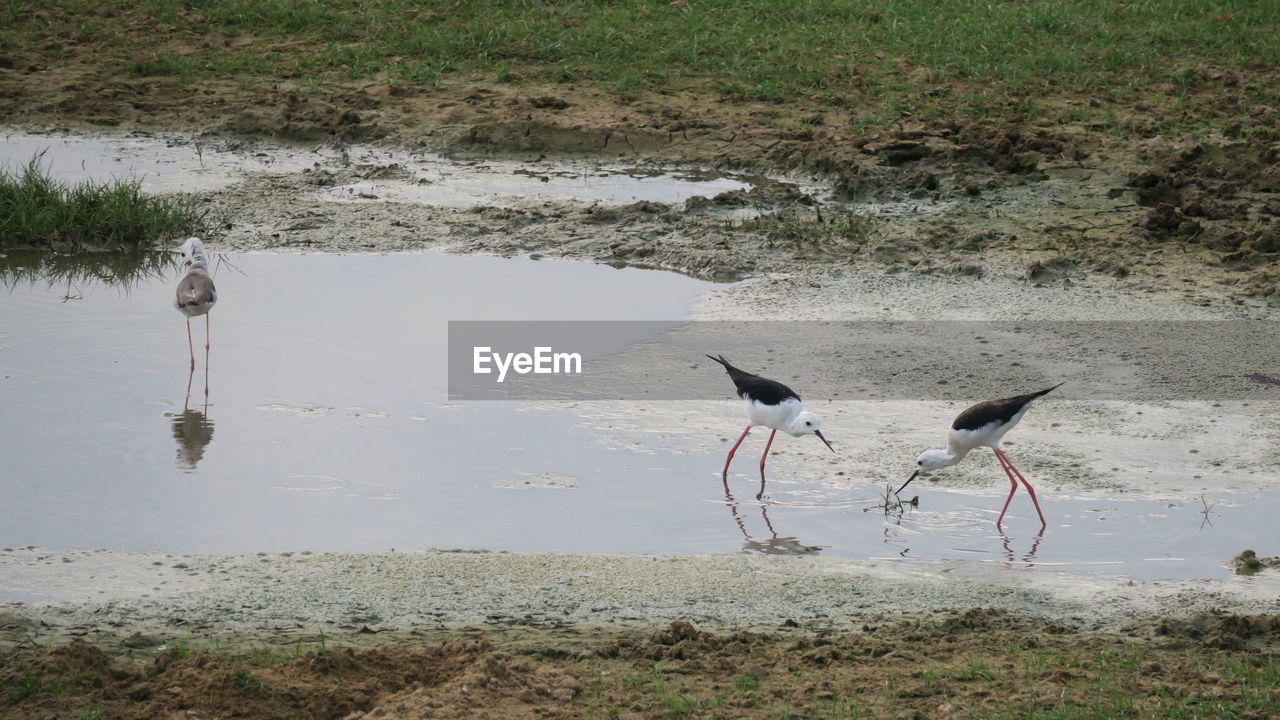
column 773, row 405
column 196, row 294
column 983, row 425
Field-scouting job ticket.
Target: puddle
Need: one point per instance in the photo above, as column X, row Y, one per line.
column 322, row 425
column 367, row 174
column 326, row 429
column 325, row 401
column 1144, row 539
column 161, row 164
column 179, row 165
column 430, row 180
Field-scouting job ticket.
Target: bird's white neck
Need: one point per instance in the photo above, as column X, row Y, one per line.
column 950, row 456
column 198, row 257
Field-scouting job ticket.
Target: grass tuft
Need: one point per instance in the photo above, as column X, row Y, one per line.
column 29, row 685
column 37, row 211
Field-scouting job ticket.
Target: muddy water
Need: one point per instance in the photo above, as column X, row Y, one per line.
column 169, row 164
column 161, row 164
column 326, row 429
column 325, row 425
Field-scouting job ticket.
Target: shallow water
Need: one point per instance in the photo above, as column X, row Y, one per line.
column 431, row 180
column 326, row 426
column 371, row 174
column 168, row 164
column 161, row 164
column 327, row 429
column 326, row 386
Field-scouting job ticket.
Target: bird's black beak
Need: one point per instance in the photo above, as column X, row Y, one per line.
column 908, row 482
column 819, row 434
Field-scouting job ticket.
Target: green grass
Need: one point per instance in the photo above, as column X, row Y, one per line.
column 29, row 685
column 746, row 681
column 249, row 684
column 37, row 211
column 268, row 656
column 880, row 58
column 1063, row 679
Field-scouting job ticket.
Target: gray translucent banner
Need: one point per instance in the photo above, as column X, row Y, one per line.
column 866, row 360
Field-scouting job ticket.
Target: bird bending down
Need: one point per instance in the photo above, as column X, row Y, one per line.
column 196, row 294
column 773, row 405
column 983, row 425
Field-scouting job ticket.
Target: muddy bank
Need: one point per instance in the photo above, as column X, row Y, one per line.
column 112, row 596
column 1076, row 222
column 1189, row 220
column 1104, row 193
column 970, row 664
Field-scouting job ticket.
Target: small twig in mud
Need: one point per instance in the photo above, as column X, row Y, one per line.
column 222, row 259
column 890, row 502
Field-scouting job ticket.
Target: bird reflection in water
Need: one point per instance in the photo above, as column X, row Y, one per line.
column 774, row 545
column 1028, row 560
column 193, row 429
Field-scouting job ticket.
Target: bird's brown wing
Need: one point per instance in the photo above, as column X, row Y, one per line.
column 195, row 290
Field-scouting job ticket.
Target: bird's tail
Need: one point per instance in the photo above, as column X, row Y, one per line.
column 1042, row 393
column 728, row 368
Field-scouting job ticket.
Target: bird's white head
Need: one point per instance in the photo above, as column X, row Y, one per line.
column 934, row 460
column 193, row 252
column 805, row 423
column 930, row 460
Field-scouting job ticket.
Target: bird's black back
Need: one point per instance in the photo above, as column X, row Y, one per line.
column 754, row 387
column 1001, row 411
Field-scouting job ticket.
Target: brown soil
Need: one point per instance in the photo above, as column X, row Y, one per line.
column 972, row 664
column 1147, row 209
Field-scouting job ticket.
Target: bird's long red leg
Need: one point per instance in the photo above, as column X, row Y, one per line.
column 190, row 347
column 1027, row 485
column 764, row 457
column 1013, row 487
column 206, row 362
column 733, row 450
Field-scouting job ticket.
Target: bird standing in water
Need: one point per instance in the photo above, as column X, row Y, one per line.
column 196, row 294
column 983, row 425
column 773, row 405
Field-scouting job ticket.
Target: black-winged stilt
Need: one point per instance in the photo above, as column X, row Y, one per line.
column 983, row 425
column 773, row 405
column 196, row 294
